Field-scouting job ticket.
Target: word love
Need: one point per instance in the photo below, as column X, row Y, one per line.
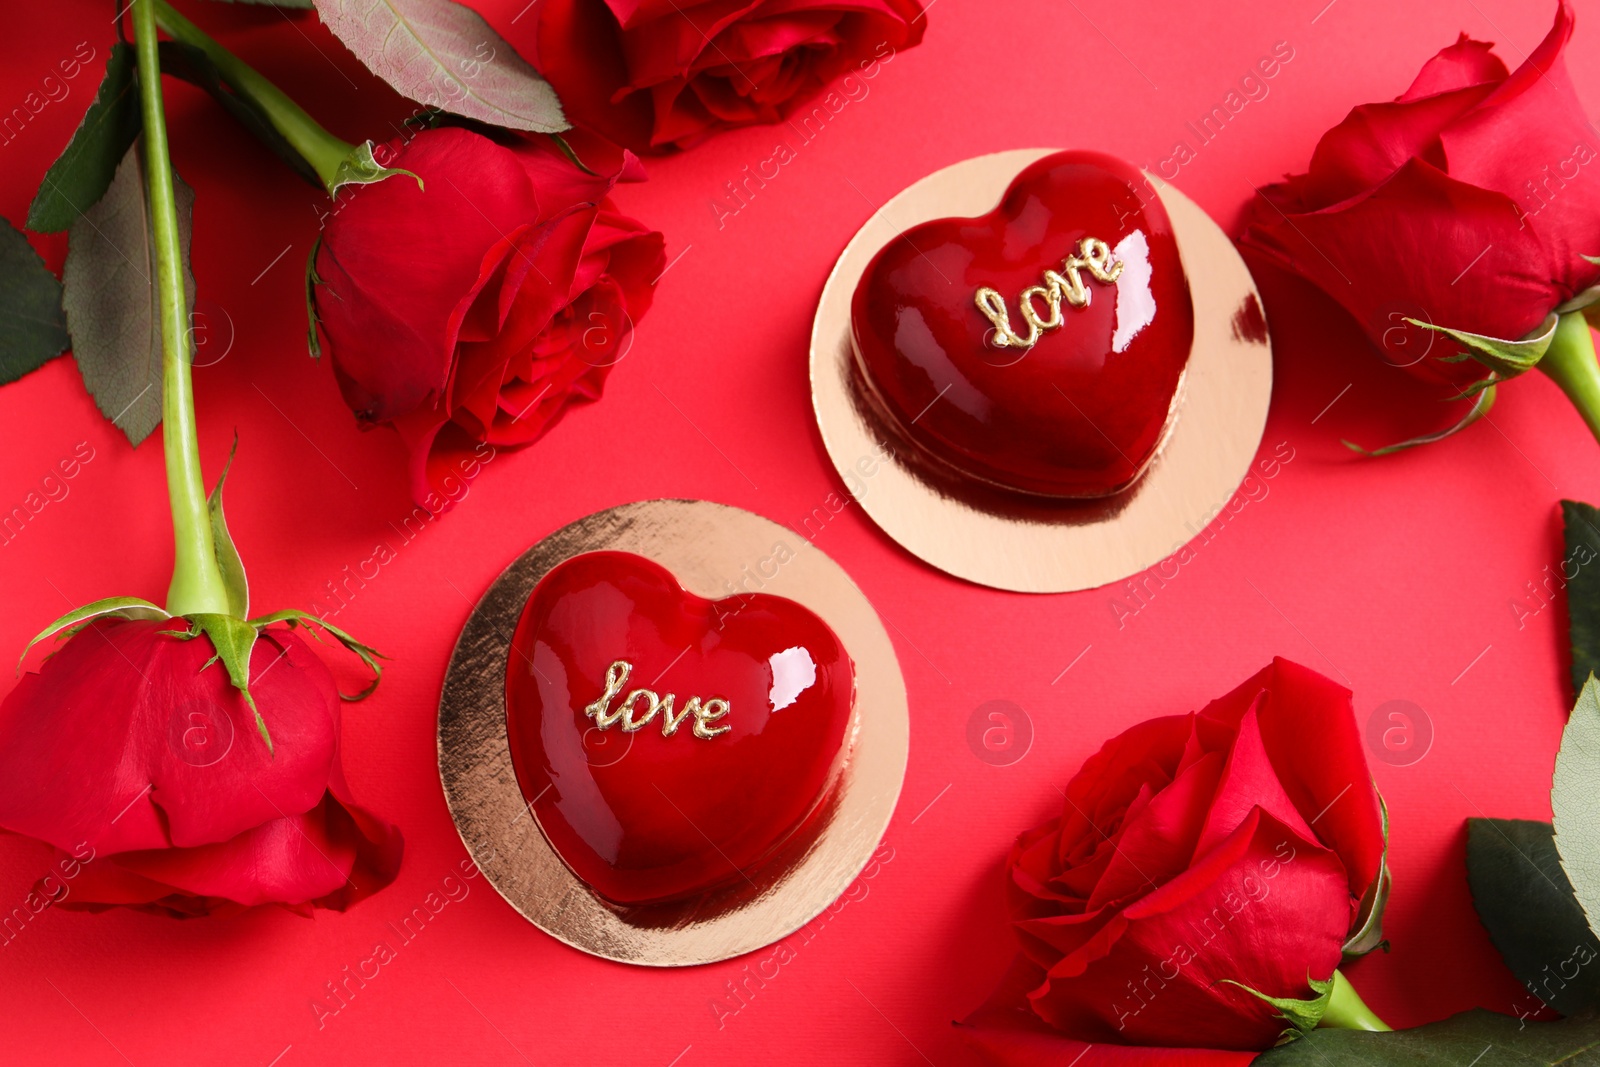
column 1094, row 256
column 704, row 714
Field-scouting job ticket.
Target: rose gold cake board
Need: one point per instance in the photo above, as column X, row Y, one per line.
column 708, row 547
column 1030, row 545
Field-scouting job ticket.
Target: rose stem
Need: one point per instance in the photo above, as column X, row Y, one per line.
column 197, row 584
column 1347, row 1011
column 1570, row 361
column 316, row 145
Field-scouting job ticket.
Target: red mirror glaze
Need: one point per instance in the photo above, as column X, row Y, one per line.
column 1083, row 411
column 648, row 815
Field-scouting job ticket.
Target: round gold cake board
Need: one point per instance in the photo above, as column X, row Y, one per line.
column 1038, row 546
column 714, row 550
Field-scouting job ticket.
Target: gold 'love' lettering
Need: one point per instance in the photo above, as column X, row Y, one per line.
column 1063, row 287
column 605, row 716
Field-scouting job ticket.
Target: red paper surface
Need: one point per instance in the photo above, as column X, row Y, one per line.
column 1402, row 577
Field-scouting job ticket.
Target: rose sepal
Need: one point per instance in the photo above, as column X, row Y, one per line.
column 1506, row 358
column 366, row 653
column 123, row 607
column 1302, row 1015
column 1486, row 395
column 1367, row 933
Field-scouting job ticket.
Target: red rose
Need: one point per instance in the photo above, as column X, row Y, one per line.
column 141, row 763
column 1460, row 203
column 662, row 74
column 474, row 304
column 1233, row 845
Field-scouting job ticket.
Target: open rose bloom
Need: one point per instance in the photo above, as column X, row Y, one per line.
column 1464, row 203
column 663, row 74
column 1240, row 844
column 475, row 303
column 143, row 767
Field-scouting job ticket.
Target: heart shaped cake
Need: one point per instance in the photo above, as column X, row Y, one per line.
column 668, row 744
column 1041, row 347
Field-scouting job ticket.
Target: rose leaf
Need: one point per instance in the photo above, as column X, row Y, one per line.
column 32, row 329
column 1480, row 1038
column 81, row 174
column 443, row 54
column 110, row 300
column 1581, row 526
column 1575, row 800
column 303, row 4
column 1526, row 903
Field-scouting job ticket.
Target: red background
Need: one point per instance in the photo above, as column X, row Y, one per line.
column 1398, row 576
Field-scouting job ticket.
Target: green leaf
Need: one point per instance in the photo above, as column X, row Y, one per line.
column 33, row 330
column 1301, row 1015
column 1575, row 800
column 360, row 168
column 80, row 176
column 123, row 607
column 443, row 54
column 368, row 655
column 1368, row 933
column 1526, row 903
column 233, row 640
column 1581, row 527
column 227, row 555
column 191, row 64
column 1472, row 1039
column 1506, row 358
column 110, row 300
column 1480, row 408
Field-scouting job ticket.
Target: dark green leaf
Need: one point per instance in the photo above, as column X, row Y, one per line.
column 80, row 175
column 195, row 67
column 110, row 300
column 33, row 329
column 1472, row 1039
column 123, row 607
column 1581, row 524
column 1526, row 903
column 1575, row 800
column 222, row 543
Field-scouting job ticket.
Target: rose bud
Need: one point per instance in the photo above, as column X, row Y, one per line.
column 1446, row 221
column 1201, row 863
column 658, row 76
column 477, row 299
column 132, row 753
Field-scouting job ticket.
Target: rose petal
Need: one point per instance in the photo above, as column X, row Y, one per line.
column 164, row 751
column 1155, row 974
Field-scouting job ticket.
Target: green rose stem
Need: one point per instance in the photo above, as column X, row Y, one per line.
column 1570, row 361
column 197, row 584
column 321, row 149
column 1347, row 1011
